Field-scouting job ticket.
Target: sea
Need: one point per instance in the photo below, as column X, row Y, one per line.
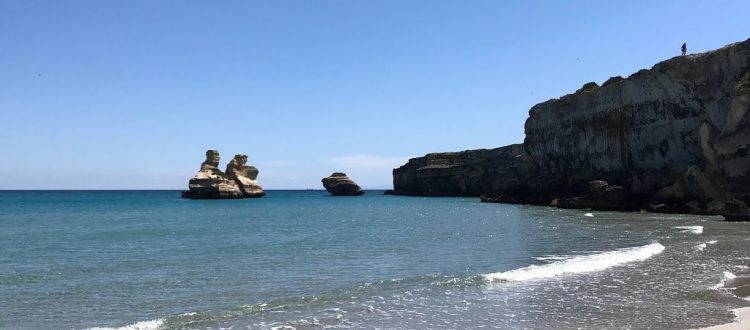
column 308, row 260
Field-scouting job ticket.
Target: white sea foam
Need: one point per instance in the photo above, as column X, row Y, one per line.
column 702, row 246
column 284, row 327
column 691, row 229
column 143, row 325
column 591, row 215
column 728, row 276
column 554, row 258
column 579, row 264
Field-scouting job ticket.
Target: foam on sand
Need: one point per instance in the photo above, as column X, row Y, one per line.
column 579, row 264
column 691, row 229
column 143, row 325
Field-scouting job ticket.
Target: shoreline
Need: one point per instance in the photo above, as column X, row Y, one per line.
column 741, row 321
column 503, row 199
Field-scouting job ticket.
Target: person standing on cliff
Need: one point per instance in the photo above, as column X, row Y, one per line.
column 684, row 48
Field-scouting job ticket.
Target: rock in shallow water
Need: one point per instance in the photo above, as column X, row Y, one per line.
column 338, row 184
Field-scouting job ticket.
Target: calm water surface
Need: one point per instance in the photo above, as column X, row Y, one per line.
column 306, row 260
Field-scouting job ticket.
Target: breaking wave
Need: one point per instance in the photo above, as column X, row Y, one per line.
column 143, row 325
column 691, row 229
column 579, row 264
column 702, row 246
column 727, row 276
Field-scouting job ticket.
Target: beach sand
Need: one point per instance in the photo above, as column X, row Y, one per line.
column 742, row 322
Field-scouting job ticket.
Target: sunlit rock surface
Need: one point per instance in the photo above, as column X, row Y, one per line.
column 212, row 183
column 675, row 136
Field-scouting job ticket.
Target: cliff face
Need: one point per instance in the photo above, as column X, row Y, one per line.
column 677, row 134
column 465, row 173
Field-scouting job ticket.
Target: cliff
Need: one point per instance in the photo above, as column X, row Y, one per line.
column 465, row 173
column 675, row 136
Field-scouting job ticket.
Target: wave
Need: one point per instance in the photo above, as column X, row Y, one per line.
column 728, row 276
column 590, row 215
column 691, row 229
column 702, row 246
column 377, row 289
column 143, row 325
column 579, row 264
column 554, row 257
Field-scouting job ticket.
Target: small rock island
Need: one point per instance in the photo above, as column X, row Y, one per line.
column 338, row 184
column 238, row 181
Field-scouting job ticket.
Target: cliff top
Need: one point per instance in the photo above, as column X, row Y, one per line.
column 663, row 66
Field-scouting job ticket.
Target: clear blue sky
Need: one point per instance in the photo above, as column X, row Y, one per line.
column 129, row 94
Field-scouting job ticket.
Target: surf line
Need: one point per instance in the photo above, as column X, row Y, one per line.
column 580, row 264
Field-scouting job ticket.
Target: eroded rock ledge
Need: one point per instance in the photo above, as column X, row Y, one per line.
column 675, row 138
column 238, row 181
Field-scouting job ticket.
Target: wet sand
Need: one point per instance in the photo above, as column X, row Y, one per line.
column 742, row 322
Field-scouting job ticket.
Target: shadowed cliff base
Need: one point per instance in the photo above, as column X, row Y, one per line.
column 672, row 139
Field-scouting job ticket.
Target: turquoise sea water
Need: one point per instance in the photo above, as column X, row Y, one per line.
column 306, row 260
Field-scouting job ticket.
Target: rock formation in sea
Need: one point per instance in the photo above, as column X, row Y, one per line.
column 338, row 184
column 212, row 183
column 244, row 175
column 675, row 138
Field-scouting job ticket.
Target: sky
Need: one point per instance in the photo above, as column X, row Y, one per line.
column 129, row 94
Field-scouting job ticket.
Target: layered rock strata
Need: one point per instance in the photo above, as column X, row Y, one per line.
column 212, row 183
column 674, row 138
column 338, row 184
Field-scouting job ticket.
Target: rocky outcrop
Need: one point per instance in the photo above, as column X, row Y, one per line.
column 601, row 196
column 673, row 138
column 244, row 176
column 338, row 184
column 212, row 183
column 465, row 173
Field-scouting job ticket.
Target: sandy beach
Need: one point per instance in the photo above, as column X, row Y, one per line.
column 742, row 322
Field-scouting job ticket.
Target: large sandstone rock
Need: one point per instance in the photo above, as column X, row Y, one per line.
column 338, row 184
column 212, row 183
column 244, row 176
column 677, row 134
